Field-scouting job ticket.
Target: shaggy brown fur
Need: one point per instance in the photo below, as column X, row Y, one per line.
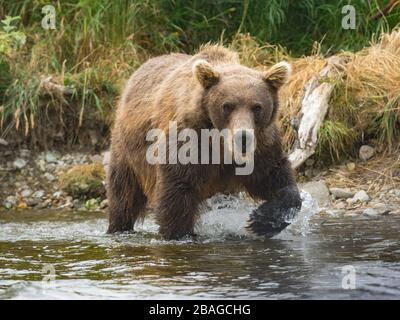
column 208, row 90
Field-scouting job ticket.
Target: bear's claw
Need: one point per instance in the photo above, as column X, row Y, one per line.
column 266, row 229
column 271, row 217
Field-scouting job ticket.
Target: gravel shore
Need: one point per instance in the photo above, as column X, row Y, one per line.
column 35, row 181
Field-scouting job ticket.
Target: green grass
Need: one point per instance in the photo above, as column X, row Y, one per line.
column 335, row 140
column 97, row 44
column 386, row 124
column 165, row 25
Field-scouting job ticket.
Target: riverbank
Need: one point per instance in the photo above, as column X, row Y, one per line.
column 75, row 181
column 35, row 181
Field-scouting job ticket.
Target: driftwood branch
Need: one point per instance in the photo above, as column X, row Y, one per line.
column 314, row 107
column 387, row 9
column 49, row 86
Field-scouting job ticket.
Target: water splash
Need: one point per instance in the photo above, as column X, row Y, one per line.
column 301, row 223
column 225, row 217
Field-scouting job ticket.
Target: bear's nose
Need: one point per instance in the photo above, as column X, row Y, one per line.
column 244, row 139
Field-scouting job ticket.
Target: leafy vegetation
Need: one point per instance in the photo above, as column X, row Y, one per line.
column 97, row 44
column 9, row 38
column 83, row 181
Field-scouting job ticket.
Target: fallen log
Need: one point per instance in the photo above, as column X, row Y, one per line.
column 314, row 106
column 49, row 86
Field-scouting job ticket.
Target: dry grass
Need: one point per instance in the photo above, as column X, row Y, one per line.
column 372, row 176
column 364, row 108
column 255, row 55
column 373, row 81
column 365, row 105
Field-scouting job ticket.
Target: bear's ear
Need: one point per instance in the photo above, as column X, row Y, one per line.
column 278, row 74
column 205, row 73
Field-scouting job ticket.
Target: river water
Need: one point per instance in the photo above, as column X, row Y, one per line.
column 67, row 255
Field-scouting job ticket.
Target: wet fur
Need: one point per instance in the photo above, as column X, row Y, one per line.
column 165, row 89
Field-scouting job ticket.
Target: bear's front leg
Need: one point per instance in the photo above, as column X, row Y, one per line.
column 283, row 201
column 275, row 214
column 178, row 202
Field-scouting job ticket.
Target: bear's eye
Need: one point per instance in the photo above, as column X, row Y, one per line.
column 256, row 108
column 228, row 108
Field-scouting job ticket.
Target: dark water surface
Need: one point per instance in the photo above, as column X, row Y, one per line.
column 309, row 261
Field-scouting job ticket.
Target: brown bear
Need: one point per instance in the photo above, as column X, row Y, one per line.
column 209, row 90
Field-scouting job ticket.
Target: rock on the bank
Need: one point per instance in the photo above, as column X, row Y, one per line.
column 10, row 202
column 318, row 190
column 341, row 193
column 26, row 193
column 38, row 194
column 49, row 177
column 370, row 212
column 51, row 157
column 366, row 152
column 19, row 163
column 360, row 196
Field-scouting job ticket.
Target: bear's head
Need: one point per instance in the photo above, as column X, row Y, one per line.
column 240, row 99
